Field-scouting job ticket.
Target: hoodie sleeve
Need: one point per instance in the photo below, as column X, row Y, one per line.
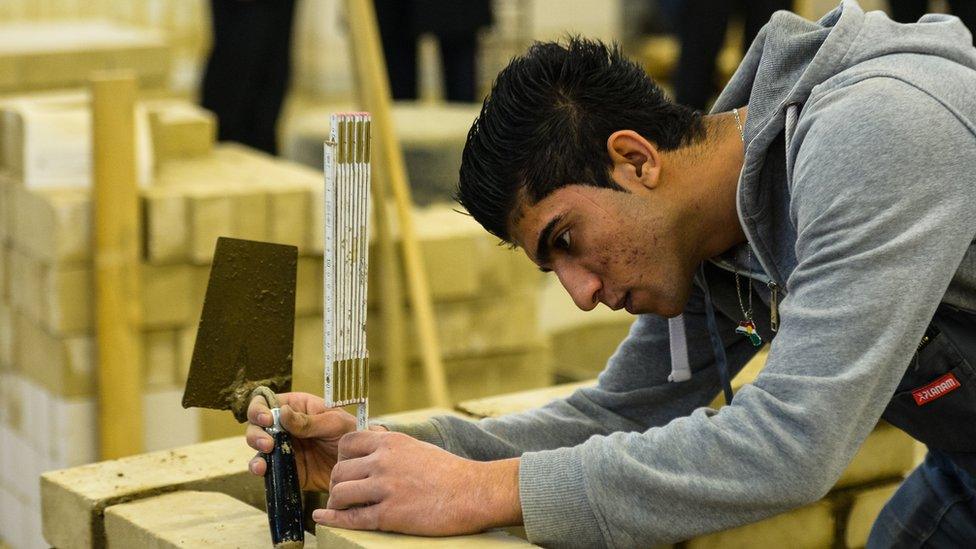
column 883, row 203
column 632, row 394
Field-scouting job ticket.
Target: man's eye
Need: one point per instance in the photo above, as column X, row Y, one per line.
column 562, row 241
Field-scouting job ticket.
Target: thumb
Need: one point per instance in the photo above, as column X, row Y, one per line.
column 328, row 424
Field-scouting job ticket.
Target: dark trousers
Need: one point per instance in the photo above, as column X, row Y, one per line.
column 908, row 11
column 934, row 507
column 701, row 26
column 248, row 70
column 458, row 54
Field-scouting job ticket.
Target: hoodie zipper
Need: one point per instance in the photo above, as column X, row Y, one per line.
column 774, row 290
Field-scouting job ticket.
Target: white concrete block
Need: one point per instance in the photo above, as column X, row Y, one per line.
column 166, row 423
column 12, row 519
column 74, row 431
column 33, row 538
column 37, row 419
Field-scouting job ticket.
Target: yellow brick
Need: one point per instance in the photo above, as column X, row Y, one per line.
column 886, row 453
column 308, row 297
column 464, row 328
column 289, row 214
column 52, row 225
column 217, row 424
column 864, row 510
column 167, row 291
column 26, row 282
column 514, row 403
column 338, row 538
column 180, row 129
column 67, row 298
column 468, row 378
column 63, row 365
column 185, row 339
column 211, row 216
column 581, row 352
column 74, row 500
column 807, row 527
column 166, row 224
column 160, row 353
column 6, row 337
column 189, row 519
column 251, row 216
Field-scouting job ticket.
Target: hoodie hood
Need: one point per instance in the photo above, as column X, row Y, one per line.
column 789, row 58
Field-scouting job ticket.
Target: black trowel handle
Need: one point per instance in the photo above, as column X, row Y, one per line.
column 281, row 488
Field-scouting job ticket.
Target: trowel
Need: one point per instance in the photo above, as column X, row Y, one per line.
column 244, row 348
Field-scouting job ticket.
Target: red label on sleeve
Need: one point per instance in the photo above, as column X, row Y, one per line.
column 937, row 389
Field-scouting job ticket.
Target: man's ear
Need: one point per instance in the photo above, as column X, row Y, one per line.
column 636, row 161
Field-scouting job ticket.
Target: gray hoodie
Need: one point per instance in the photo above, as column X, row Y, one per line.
column 858, row 196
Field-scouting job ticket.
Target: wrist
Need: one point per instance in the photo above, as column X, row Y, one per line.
column 499, row 503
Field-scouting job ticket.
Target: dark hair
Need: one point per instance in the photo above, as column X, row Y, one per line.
column 546, row 123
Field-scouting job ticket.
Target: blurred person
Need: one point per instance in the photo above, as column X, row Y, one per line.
column 454, row 24
column 909, row 11
column 826, row 205
column 248, row 70
column 701, row 26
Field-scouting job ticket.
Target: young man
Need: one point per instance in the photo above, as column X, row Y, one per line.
column 828, row 205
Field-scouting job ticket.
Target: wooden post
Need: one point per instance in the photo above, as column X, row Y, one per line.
column 374, row 91
column 115, row 199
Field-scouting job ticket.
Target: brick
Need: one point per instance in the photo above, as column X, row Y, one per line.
column 167, row 291
column 211, row 215
column 189, row 519
column 68, row 293
column 185, row 339
column 73, row 501
column 864, row 510
column 166, row 226
column 180, row 129
column 52, row 224
column 6, row 338
column 308, row 297
column 469, row 378
column 217, row 424
column 495, row 406
column 74, row 426
column 288, row 216
column 252, row 216
column 886, row 453
column 582, row 352
column 12, row 520
column 166, row 424
column 807, row 527
column 63, row 365
column 160, row 352
column 489, row 325
column 338, row 538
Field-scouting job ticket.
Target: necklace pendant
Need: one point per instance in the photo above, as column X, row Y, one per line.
column 748, row 328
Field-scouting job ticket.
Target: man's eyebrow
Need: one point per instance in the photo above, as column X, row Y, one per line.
column 542, row 245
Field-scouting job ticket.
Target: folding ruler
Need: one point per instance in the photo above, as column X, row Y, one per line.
column 346, row 263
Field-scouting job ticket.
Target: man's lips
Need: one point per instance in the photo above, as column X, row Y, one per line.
column 623, row 302
column 629, row 303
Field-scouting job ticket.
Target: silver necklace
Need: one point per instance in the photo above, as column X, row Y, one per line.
column 746, row 326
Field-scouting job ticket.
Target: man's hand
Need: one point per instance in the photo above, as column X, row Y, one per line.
column 392, row 482
column 315, row 432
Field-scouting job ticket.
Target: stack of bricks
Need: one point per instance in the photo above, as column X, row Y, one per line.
column 485, row 297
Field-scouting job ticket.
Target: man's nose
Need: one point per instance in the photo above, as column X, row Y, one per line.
column 583, row 286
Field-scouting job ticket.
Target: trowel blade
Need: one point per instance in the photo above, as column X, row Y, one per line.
column 247, row 325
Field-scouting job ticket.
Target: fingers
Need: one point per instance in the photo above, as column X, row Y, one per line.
column 258, row 439
column 361, row 443
column 327, row 424
column 257, row 466
column 356, row 518
column 353, row 493
column 258, row 412
column 351, row 469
